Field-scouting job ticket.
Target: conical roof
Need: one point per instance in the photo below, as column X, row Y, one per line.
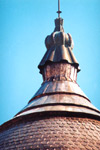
column 60, row 96
column 59, row 116
column 59, row 90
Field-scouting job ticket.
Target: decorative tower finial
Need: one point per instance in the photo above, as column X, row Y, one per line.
column 59, row 9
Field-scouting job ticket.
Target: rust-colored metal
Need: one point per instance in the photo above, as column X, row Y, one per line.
column 60, row 87
column 59, row 47
column 50, row 132
column 59, row 92
column 59, row 116
column 59, row 72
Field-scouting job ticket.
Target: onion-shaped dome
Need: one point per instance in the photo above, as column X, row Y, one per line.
column 59, row 47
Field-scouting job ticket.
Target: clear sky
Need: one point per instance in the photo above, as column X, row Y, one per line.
column 24, row 24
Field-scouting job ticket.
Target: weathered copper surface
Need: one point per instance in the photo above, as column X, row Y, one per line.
column 59, row 116
column 60, row 102
column 61, row 99
column 59, row 47
column 59, row 92
column 59, row 96
column 59, row 72
column 60, row 87
column 61, row 107
column 52, row 133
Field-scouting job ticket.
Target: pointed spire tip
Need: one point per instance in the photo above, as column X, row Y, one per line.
column 59, row 12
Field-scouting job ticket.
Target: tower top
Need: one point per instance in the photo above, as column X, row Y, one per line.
column 59, row 12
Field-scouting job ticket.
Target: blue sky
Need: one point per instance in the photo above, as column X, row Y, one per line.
column 24, row 24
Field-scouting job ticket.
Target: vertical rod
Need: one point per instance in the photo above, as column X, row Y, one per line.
column 59, row 8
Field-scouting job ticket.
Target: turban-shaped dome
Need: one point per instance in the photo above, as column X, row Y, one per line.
column 59, row 47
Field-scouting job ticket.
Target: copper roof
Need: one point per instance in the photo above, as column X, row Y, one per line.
column 59, row 90
column 59, row 47
column 59, row 116
column 59, row 96
column 51, row 132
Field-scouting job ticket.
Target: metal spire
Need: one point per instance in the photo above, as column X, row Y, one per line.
column 59, row 9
